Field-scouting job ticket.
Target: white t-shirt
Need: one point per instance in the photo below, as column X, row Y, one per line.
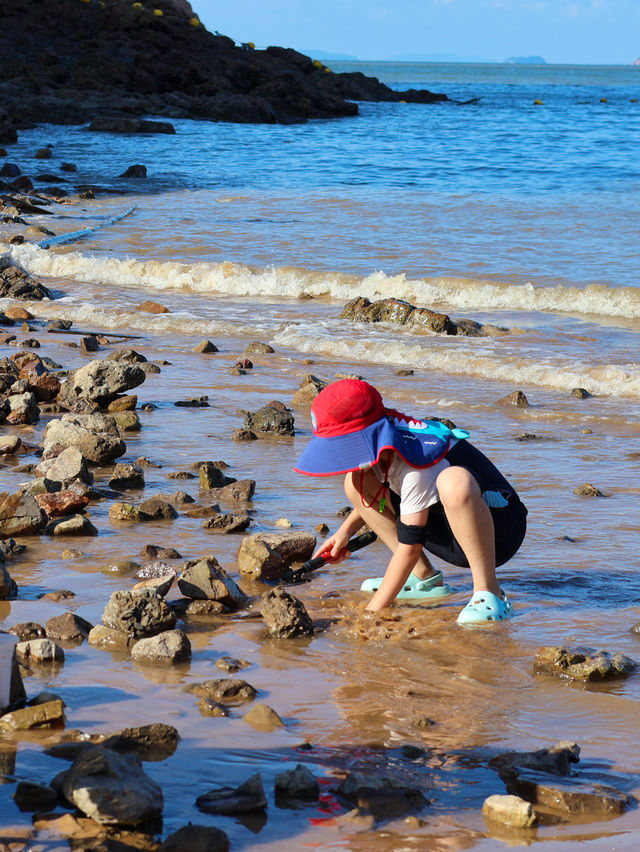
column 415, row 486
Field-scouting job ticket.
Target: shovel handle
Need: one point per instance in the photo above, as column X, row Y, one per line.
column 356, row 543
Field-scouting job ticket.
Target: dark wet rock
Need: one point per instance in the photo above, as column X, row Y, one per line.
column 96, row 436
column 15, row 283
column 68, row 627
column 244, row 435
column 113, row 124
column 74, row 525
column 194, row 402
column 62, row 470
column 166, row 648
column 263, row 718
column 270, row 420
column 111, row 789
column 154, row 551
column 380, row 795
column 198, row 610
column 224, row 690
column 205, row 347
column 249, row 796
column 10, row 547
column 206, row 580
column 237, row 492
column 30, row 796
column 268, row 556
column 68, row 167
column 153, row 742
column 588, row 490
column 61, row 503
column 11, row 170
column 50, row 714
column 510, row 811
column 309, row 389
column 284, row 615
column 556, row 760
column 138, row 613
column 8, row 586
column 30, row 342
column 208, row 707
column 396, row 311
column 126, row 476
column 58, row 596
column 130, row 356
column 577, row 797
column 179, row 499
column 196, row 838
column 211, row 476
column 89, row 343
column 135, row 171
column 181, row 474
column 516, row 398
column 227, row 524
column 584, row 664
column 230, row 664
column 158, row 508
column 298, row 783
column 27, row 630
column 21, row 515
column 100, row 382
column 580, row 393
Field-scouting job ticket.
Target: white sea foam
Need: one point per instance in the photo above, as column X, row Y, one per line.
column 289, row 282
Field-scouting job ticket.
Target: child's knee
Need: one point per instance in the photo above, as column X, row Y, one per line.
column 456, row 486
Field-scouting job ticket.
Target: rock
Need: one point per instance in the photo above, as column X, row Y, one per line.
column 20, row 515
column 398, row 312
column 380, row 795
column 224, row 690
column 283, row 522
column 244, row 435
column 16, row 284
column 112, row 789
column 153, row 308
column 156, row 571
column 227, row 524
column 199, row 402
column 157, row 508
column 557, row 760
column 211, row 476
column 121, row 568
column 138, row 613
column 68, row 627
column 309, row 389
column 61, row 503
column 58, row 596
column 205, row 347
column 137, row 171
column 298, row 783
column 170, row 647
column 263, row 718
column 270, row 420
column 198, row 610
column 127, row 512
column 568, row 795
column 269, row 555
column 196, row 838
column 258, row 348
column 108, row 638
column 127, row 476
column 230, row 664
column 96, row 436
column 9, row 444
column 247, row 797
column 509, row 810
column 30, row 796
column 403, row 372
column 39, row 651
column 27, row 630
column 153, row 551
column 516, row 398
column 207, row 707
column 89, row 343
column 206, row 580
column 43, row 154
column 74, row 525
column 153, row 742
column 181, row 474
column 580, row 393
column 11, row 170
column 179, row 499
column 47, row 715
column 237, row 492
column 116, row 124
column 59, row 472
column 127, row 421
column 160, row 585
column 588, row 490
column 123, row 403
column 584, row 664
column 8, row 586
column 23, row 409
column 285, row 616
column 101, row 381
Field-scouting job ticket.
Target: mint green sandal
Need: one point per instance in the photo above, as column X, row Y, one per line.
column 414, row 588
column 485, row 606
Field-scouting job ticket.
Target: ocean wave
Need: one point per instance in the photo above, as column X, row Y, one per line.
column 235, row 279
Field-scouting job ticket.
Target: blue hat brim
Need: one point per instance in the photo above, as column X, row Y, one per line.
column 359, row 450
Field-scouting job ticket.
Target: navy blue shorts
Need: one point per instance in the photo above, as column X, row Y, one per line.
column 509, row 521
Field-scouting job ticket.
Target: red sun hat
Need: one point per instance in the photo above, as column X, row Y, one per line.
column 351, row 428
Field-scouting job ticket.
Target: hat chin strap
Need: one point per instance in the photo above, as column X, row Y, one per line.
column 380, row 493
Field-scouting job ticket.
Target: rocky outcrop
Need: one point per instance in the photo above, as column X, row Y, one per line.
column 74, row 62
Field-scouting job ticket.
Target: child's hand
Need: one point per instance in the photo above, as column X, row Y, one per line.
column 335, row 547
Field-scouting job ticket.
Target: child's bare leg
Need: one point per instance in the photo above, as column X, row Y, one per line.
column 471, row 522
column 382, row 523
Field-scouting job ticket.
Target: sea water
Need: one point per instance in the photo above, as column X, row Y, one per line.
column 491, row 207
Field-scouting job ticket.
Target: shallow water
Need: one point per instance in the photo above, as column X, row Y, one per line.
column 534, row 234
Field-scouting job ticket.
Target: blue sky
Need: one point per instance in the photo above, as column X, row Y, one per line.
column 564, row 31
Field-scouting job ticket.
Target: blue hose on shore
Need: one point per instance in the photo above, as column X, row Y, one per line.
column 78, row 235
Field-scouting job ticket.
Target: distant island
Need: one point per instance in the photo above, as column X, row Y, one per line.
column 525, row 60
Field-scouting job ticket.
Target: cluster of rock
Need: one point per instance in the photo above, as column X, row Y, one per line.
column 72, row 62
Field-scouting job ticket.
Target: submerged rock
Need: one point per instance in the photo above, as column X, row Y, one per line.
column 585, row 664
column 399, row 312
column 153, row 742
column 380, row 795
column 112, row 789
column 224, row 690
column 588, row 490
column 30, row 796
column 249, row 796
column 285, row 616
